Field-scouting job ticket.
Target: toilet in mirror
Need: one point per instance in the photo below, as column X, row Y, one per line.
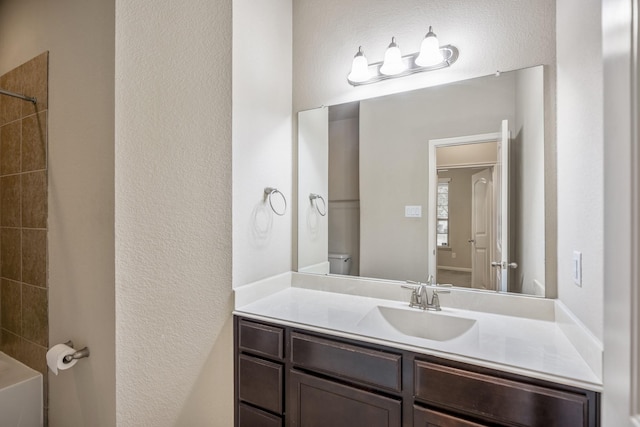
column 446, row 181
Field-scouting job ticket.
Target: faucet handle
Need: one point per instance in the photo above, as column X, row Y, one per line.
column 437, row 288
column 413, row 284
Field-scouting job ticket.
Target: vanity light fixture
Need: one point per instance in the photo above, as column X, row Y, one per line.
column 430, row 53
column 432, row 56
column 360, row 68
column 392, row 64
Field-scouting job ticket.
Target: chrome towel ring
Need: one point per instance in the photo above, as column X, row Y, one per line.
column 313, row 198
column 268, row 194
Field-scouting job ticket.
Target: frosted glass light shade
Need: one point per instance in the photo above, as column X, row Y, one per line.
column 359, row 68
column 392, row 63
column 429, row 51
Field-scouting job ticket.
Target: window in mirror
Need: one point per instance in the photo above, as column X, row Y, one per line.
column 443, row 213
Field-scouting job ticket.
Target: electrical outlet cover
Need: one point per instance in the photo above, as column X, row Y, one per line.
column 577, row 268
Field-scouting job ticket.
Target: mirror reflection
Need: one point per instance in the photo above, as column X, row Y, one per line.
column 446, row 180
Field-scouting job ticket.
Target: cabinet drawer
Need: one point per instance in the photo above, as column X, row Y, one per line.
column 261, row 339
column 260, row 383
column 505, row 401
column 347, row 361
column 249, row 416
column 423, row 417
column 322, row 403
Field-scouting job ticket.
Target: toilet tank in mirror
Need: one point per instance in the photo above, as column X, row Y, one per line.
column 447, row 180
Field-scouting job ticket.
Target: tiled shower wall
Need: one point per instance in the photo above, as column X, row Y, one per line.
column 24, row 323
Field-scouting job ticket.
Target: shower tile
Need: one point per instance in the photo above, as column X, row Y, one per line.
column 10, row 108
column 10, row 201
column 34, row 142
column 34, row 75
column 34, row 257
column 10, row 253
column 35, row 326
column 11, row 344
column 11, row 306
column 34, row 356
column 10, row 148
column 34, row 199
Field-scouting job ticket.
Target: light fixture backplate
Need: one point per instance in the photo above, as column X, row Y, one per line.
column 449, row 53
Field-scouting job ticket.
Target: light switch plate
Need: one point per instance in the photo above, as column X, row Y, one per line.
column 413, row 211
column 577, row 268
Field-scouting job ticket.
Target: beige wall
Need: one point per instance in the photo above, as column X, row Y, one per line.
column 344, row 191
column 344, row 159
column 173, row 213
column 459, row 219
column 394, row 166
column 466, row 154
column 79, row 36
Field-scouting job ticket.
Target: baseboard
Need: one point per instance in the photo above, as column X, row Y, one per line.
column 461, row 269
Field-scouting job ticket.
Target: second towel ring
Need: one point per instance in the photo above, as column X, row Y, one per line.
column 268, row 193
column 315, row 197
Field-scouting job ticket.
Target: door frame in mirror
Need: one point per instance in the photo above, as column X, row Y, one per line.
column 433, row 186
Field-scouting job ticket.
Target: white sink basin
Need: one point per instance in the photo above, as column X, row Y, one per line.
column 437, row 326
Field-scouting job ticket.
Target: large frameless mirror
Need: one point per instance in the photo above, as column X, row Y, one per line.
column 446, row 180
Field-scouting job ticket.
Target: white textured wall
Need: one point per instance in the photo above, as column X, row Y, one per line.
column 262, row 141
column 79, row 36
column 394, row 165
column 491, row 35
column 173, row 213
column 580, row 158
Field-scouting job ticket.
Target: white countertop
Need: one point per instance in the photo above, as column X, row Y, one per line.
column 526, row 346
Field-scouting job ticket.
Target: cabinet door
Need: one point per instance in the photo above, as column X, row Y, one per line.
column 423, row 417
column 347, row 361
column 260, row 383
column 499, row 400
column 249, row 416
column 317, row 402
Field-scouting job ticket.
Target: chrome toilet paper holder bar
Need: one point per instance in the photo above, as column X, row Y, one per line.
column 84, row 352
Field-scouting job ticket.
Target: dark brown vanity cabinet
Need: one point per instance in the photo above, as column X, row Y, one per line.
column 259, row 373
column 291, row 377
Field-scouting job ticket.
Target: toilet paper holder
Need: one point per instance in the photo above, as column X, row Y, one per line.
column 84, row 352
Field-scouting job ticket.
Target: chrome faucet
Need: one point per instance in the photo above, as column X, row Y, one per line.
column 420, row 297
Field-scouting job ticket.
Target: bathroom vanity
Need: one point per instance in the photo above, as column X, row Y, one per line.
column 331, row 359
column 289, row 376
